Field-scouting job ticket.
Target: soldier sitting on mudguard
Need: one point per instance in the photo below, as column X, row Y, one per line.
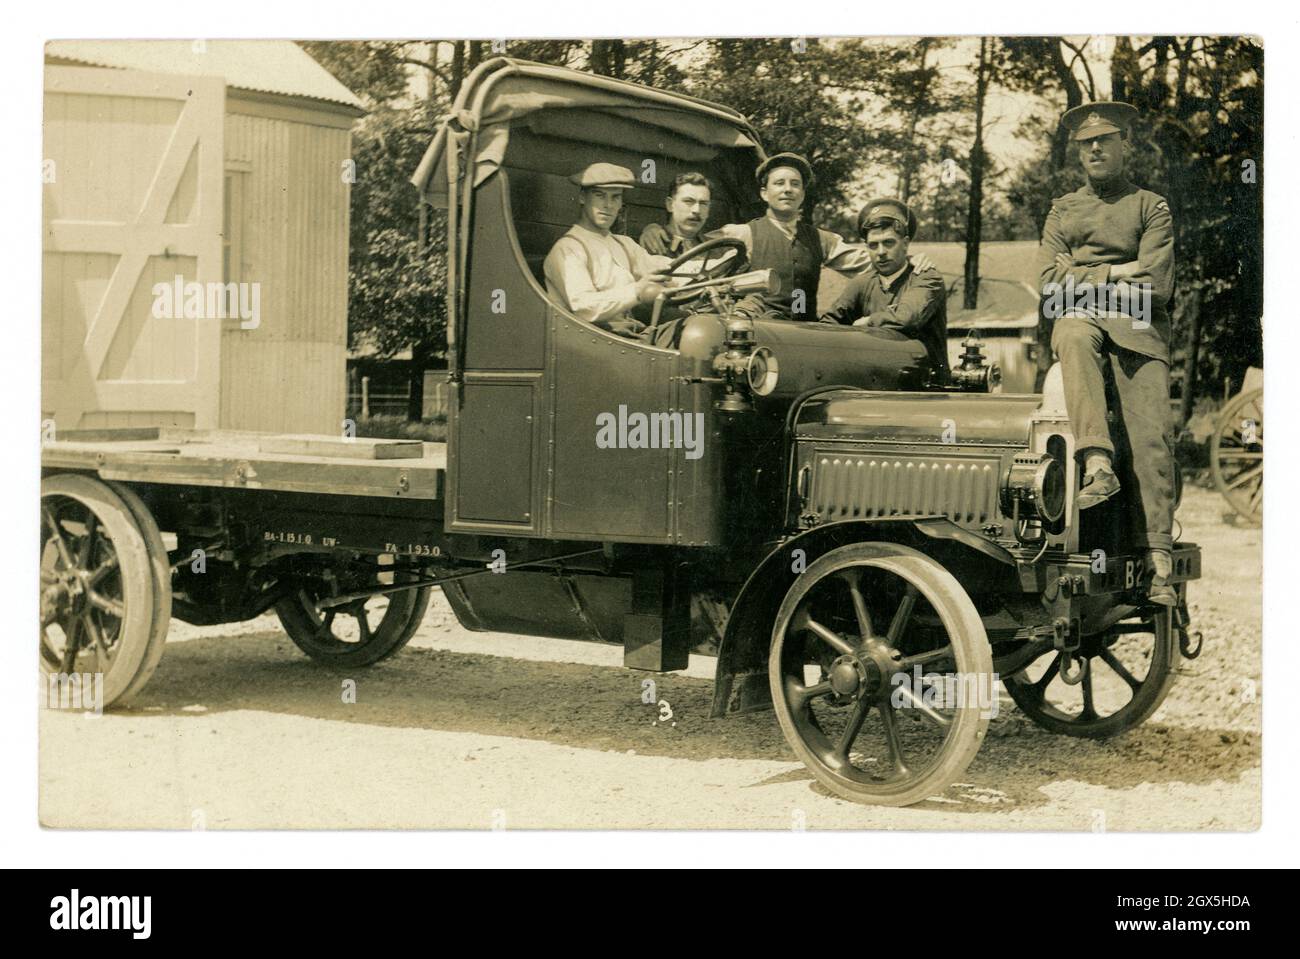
column 1107, row 269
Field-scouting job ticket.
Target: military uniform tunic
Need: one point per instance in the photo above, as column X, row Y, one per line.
column 1097, row 227
column 911, row 303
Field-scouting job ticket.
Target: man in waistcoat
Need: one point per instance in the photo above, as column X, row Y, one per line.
column 783, row 241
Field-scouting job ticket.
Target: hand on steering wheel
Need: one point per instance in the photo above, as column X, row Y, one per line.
column 725, row 266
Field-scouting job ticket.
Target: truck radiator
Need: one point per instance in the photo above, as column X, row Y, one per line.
column 864, row 486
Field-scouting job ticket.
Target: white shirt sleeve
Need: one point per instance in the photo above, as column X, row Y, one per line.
column 738, row 231
column 569, row 278
column 847, row 258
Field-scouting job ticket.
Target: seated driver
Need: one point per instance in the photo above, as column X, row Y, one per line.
column 899, row 297
column 600, row 276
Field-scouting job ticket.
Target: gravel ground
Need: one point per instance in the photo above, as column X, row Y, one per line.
column 238, row 730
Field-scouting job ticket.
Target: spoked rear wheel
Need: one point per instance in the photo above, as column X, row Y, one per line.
column 881, row 674
column 359, row 633
column 1127, row 671
column 97, row 588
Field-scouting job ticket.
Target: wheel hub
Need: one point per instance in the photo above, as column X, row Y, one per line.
column 67, row 595
column 860, row 674
column 847, row 676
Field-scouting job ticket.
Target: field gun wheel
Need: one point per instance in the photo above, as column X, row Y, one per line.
column 1128, row 671
column 852, row 636
column 359, row 633
column 1237, row 455
column 99, row 604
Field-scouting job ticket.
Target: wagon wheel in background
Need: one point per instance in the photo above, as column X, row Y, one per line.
column 1237, row 455
column 1127, row 671
column 359, row 633
column 97, row 609
column 853, row 633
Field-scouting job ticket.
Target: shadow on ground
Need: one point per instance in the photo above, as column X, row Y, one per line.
column 594, row 707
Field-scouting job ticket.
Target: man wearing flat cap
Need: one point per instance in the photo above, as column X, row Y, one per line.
column 595, row 274
column 896, row 298
column 782, row 241
column 1107, row 269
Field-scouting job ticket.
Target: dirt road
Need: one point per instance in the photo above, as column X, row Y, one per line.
column 465, row 730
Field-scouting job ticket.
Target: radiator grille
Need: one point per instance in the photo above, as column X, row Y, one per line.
column 965, row 489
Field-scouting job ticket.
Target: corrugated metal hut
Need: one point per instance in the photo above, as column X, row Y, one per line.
column 172, row 170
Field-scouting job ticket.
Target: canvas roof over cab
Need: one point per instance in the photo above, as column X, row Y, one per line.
column 559, row 102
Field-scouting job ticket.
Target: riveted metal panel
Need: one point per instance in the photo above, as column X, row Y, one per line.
column 495, row 449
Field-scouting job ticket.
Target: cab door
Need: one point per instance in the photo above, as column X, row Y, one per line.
column 624, row 491
column 523, row 452
column 497, row 417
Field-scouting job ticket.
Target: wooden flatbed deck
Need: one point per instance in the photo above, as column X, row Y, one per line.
column 406, row 469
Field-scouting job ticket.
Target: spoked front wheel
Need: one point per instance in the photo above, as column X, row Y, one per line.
column 881, row 674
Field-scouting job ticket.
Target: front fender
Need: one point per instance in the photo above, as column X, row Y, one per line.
column 740, row 683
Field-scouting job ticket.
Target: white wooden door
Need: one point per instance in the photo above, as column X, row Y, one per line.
column 132, row 198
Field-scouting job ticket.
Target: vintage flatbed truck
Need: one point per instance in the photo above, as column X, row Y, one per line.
column 867, row 549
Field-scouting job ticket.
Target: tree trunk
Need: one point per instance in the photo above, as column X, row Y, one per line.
column 1193, row 354
column 1123, row 66
column 457, row 67
column 974, row 212
column 1073, row 98
column 415, row 399
column 913, row 118
column 608, row 57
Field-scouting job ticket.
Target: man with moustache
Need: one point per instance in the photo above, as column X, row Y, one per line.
column 1114, row 238
column 595, row 274
column 782, row 241
column 689, row 199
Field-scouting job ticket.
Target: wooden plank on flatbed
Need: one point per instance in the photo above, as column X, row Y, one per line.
column 339, row 447
column 236, row 461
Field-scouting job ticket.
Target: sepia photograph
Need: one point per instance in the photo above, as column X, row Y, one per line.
column 757, row 433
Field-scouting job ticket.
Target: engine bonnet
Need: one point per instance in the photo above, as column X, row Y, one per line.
column 952, row 419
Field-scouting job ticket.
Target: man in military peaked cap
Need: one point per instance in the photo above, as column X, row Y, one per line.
column 898, row 298
column 594, row 273
column 1107, row 270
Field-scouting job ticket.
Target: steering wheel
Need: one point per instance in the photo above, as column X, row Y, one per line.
column 726, row 266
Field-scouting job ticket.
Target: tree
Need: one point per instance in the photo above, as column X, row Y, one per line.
column 1199, row 143
column 807, row 97
column 975, row 207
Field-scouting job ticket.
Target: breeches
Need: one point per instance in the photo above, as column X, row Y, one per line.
column 1145, row 460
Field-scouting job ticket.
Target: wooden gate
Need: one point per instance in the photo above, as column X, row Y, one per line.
column 132, row 198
